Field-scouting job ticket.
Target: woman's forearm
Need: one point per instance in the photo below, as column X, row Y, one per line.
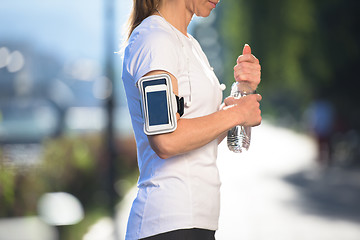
column 194, row 133
column 221, row 137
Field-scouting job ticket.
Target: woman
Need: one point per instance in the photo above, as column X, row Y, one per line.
column 178, row 196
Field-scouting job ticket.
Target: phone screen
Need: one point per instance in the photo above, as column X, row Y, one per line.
column 157, row 107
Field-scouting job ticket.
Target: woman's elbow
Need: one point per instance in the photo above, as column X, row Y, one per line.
column 162, row 147
column 163, row 155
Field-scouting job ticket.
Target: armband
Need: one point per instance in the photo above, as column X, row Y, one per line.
column 159, row 104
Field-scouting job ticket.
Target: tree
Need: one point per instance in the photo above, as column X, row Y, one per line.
column 307, row 49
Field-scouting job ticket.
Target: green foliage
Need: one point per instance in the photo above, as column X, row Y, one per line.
column 305, row 49
column 68, row 158
column 7, row 185
column 70, row 164
column 235, row 33
column 67, row 162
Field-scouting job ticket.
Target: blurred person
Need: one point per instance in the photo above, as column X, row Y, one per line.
column 178, row 187
column 321, row 120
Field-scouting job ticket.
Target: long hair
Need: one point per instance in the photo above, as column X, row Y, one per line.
column 141, row 9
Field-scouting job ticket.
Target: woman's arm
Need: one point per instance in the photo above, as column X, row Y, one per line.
column 197, row 132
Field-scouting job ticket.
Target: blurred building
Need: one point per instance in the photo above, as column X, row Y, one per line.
column 52, row 77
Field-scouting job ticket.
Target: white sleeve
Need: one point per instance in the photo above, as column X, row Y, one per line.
column 153, row 51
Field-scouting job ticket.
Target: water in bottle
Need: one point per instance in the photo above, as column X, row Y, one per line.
column 239, row 137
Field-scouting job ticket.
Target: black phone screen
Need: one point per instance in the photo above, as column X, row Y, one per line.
column 157, row 108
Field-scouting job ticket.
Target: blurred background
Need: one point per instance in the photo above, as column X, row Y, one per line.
column 67, row 153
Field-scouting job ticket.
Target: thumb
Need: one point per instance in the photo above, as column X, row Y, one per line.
column 247, row 49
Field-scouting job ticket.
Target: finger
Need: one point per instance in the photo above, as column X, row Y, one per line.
column 258, row 97
column 247, row 58
column 253, row 97
column 229, row 101
column 248, row 77
column 246, row 49
column 247, row 67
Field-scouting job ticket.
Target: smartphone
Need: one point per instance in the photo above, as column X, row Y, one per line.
column 158, row 107
column 158, row 114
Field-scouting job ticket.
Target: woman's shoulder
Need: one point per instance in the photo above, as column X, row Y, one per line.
column 152, row 29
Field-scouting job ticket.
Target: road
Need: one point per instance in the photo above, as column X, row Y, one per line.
column 275, row 191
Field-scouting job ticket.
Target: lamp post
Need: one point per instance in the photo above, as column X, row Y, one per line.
column 110, row 151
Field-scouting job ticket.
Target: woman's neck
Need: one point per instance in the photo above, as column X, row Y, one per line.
column 176, row 14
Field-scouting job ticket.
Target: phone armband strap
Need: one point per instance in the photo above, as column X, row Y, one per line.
column 180, row 105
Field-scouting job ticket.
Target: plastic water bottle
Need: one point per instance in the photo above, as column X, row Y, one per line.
column 239, row 137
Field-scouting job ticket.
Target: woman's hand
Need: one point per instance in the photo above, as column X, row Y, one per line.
column 248, row 68
column 247, row 109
